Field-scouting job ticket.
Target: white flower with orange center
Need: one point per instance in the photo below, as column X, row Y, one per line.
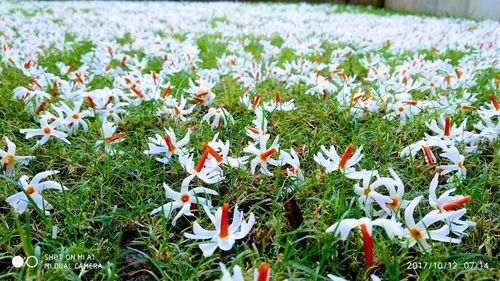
column 74, row 117
column 392, row 203
column 225, row 235
column 47, row 131
column 454, row 156
column 183, row 200
column 218, row 116
column 112, row 110
column 333, row 162
column 167, row 145
column 263, row 154
column 20, row 200
column 175, row 110
column 9, row 158
column 419, row 233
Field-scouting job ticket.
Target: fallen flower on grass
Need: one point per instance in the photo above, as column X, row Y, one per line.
column 418, row 233
column 109, row 138
column 263, row 155
column 183, row 200
column 365, row 225
column 167, row 145
column 9, row 158
column 224, row 235
column 333, row 162
column 20, row 201
column 47, row 131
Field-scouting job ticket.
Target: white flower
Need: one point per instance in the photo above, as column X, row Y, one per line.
column 227, row 276
column 418, row 233
column 167, row 146
column 74, row 117
column 217, row 115
column 9, row 158
column 47, row 131
column 183, row 200
column 109, row 138
column 263, row 154
column 224, row 235
column 20, row 201
column 333, row 162
column 454, row 156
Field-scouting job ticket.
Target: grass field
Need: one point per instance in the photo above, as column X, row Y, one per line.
column 348, row 72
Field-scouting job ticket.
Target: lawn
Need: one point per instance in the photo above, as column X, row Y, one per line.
column 171, row 97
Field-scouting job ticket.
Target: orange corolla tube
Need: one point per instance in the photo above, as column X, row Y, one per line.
column 224, row 221
column 368, row 245
column 264, row 272
column 456, row 203
column 347, row 154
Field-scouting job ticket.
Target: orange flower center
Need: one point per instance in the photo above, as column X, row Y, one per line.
column 185, row 198
column 7, row 160
column 75, row 116
column 415, row 233
column 366, row 191
column 47, row 130
column 395, row 203
column 30, row 190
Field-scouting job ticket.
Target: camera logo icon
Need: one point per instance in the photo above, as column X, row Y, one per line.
column 19, row 261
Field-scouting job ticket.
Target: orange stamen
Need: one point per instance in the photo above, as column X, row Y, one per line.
column 277, row 97
column 34, row 81
column 8, row 161
column 447, row 78
column 110, row 51
column 347, row 154
column 224, row 221
column 456, row 203
column 78, row 78
column 71, row 67
column 40, row 107
column 411, row 102
column 253, row 130
column 154, row 77
column 468, row 107
column 91, row 101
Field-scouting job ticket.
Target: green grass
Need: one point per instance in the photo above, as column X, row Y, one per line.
column 105, row 212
